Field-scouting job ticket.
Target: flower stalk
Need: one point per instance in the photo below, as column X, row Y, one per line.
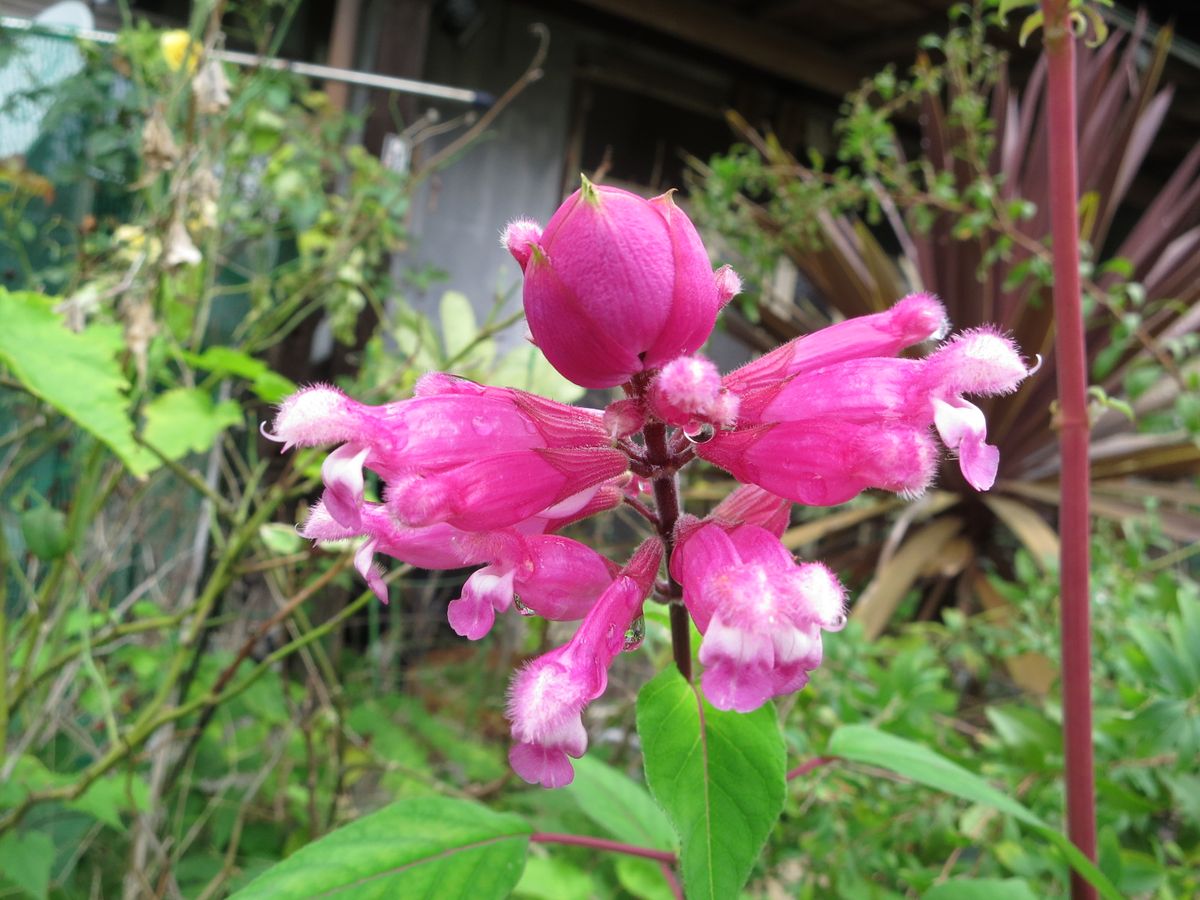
column 666, row 502
column 1074, row 523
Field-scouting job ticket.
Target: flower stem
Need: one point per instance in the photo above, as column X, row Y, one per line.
column 809, row 765
column 666, row 500
column 1074, row 522
column 585, row 840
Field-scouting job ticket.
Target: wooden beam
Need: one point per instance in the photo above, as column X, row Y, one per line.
column 714, row 28
column 341, row 48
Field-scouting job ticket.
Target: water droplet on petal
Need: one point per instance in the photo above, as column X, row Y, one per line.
column 837, row 623
column 522, row 608
column 634, row 634
column 699, row 433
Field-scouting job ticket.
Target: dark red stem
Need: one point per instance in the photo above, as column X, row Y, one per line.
column 1074, row 522
column 666, row 501
column 809, row 764
column 585, row 840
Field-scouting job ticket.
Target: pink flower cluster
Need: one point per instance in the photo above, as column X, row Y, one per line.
column 619, row 291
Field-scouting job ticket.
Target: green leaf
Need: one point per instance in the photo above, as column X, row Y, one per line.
column 1165, row 658
column 267, row 384
column 863, row 744
column 25, row 860
column 44, row 530
column 719, row 776
column 552, row 878
column 980, row 889
column 419, row 847
column 643, row 878
column 1031, row 24
column 108, row 797
column 528, row 369
column 77, row 374
column 280, row 539
column 185, row 420
column 458, row 323
column 620, row 805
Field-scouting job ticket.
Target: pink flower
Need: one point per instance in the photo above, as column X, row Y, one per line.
column 550, row 576
column 475, row 457
column 547, row 697
column 760, row 612
column 749, row 504
column 619, row 291
column 553, row 576
column 616, row 284
column 909, row 321
column 821, row 435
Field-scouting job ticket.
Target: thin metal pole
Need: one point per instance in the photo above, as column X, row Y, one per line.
column 251, row 60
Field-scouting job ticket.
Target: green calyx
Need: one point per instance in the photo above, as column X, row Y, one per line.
column 588, row 191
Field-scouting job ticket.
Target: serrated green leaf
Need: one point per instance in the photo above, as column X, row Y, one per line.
column 77, row 374
column 980, row 889
column 619, row 805
column 419, row 847
column 185, row 420
column 718, row 775
column 864, row 744
column 25, row 860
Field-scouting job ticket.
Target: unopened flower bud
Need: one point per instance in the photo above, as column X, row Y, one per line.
column 616, row 284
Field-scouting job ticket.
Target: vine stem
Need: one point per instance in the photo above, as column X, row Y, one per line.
column 1074, row 522
column 585, row 840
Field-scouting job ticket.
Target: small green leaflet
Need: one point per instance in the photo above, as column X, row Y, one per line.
column 185, row 420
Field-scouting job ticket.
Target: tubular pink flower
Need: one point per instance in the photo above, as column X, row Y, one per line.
column 760, row 612
column 751, row 505
column 480, row 458
column 547, row 697
column 451, row 421
column 555, row 577
column 871, row 415
column 911, row 320
column 503, row 489
column 616, row 285
column 827, row 461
